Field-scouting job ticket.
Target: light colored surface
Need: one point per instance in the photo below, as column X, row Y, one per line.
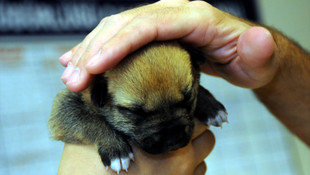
column 292, row 17
column 29, row 81
column 254, row 142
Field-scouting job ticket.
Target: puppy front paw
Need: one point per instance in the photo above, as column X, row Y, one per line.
column 121, row 163
column 217, row 120
column 209, row 110
column 116, row 156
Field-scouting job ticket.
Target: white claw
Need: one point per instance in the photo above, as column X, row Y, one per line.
column 131, row 156
column 125, row 163
column 221, row 116
column 116, row 165
column 121, row 164
column 219, row 119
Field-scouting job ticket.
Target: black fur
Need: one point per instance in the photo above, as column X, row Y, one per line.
column 207, row 107
column 99, row 91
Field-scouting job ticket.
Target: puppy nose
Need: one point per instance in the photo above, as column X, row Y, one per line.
column 181, row 127
column 177, row 134
column 174, row 136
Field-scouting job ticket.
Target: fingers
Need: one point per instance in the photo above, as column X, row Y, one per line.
column 234, row 52
column 108, row 28
column 125, row 42
column 133, row 36
column 76, row 77
column 73, row 54
column 66, row 58
column 201, row 169
column 198, row 129
column 118, row 35
column 203, row 145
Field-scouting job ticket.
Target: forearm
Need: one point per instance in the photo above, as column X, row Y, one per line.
column 81, row 159
column 287, row 96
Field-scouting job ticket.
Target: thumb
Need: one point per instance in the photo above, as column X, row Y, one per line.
column 255, row 50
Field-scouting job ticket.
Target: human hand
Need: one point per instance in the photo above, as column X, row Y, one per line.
column 84, row 160
column 237, row 51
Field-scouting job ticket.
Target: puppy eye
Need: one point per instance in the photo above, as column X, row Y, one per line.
column 187, row 97
column 187, row 101
column 135, row 110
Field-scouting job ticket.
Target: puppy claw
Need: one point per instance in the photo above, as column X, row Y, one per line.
column 218, row 120
column 116, row 165
column 119, row 164
column 125, row 163
column 131, row 156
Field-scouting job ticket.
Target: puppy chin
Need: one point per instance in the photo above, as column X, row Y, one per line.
column 167, row 140
column 158, row 148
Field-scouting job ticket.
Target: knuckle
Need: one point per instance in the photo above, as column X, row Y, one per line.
column 200, row 4
column 102, row 21
column 114, row 18
column 107, row 19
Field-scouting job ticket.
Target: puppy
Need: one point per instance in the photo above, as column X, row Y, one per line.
column 150, row 98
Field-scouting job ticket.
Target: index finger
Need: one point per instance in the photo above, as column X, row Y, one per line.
column 166, row 23
column 199, row 129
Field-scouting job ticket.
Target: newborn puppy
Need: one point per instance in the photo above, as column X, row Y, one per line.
column 150, row 98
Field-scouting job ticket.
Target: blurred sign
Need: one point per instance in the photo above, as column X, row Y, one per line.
column 81, row 16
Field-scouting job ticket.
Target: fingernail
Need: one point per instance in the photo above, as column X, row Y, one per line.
column 68, row 71
column 65, row 57
column 75, row 77
column 95, row 59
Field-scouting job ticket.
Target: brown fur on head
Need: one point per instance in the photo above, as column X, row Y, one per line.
column 152, row 77
column 152, row 95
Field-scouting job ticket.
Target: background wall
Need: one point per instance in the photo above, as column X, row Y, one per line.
column 289, row 16
column 292, row 17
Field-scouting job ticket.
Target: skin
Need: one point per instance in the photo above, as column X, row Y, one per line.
column 84, row 159
column 243, row 53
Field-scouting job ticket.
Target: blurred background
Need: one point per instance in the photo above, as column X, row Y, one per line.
column 34, row 33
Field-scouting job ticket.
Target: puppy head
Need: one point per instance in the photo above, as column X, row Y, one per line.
column 152, row 96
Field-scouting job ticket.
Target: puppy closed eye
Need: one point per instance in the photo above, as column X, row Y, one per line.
column 187, row 101
column 138, row 111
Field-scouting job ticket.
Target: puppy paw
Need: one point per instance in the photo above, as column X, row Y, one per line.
column 122, row 163
column 208, row 110
column 117, row 158
column 217, row 120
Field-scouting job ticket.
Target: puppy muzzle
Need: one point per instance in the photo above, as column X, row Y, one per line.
column 175, row 135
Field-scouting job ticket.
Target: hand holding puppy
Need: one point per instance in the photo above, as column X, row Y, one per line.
column 237, row 51
column 82, row 160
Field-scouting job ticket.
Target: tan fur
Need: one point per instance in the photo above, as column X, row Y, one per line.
column 152, row 75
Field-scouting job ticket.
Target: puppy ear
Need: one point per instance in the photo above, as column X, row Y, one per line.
column 197, row 56
column 208, row 109
column 99, row 91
